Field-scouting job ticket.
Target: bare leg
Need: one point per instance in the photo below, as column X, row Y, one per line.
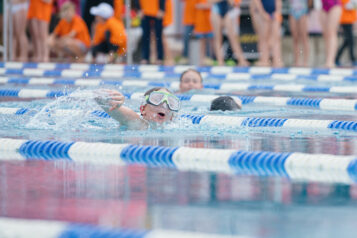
column 15, row 41
column 304, row 39
column 333, row 22
column 22, row 38
column 234, row 41
column 167, row 52
column 35, row 39
column 265, row 45
column 44, row 52
column 276, row 44
column 295, row 36
column 257, row 25
column 216, row 21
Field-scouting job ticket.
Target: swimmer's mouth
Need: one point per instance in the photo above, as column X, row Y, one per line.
column 161, row 114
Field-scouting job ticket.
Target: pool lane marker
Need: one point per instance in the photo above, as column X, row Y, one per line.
column 176, row 69
column 21, row 228
column 237, row 76
column 320, row 103
column 296, row 166
column 223, row 122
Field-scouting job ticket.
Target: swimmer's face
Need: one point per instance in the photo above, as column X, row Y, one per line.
column 190, row 80
column 159, row 114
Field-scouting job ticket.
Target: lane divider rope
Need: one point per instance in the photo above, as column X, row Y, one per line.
column 236, row 76
column 296, row 166
column 177, row 69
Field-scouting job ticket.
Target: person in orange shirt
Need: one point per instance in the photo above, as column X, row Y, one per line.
column 188, row 22
column 118, row 9
column 348, row 18
column 202, row 27
column 19, row 10
column 109, row 37
column 71, row 36
column 224, row 14
column 39, row 15
column 151, row 13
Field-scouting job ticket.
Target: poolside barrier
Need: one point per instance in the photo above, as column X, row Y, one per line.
column 296, row 166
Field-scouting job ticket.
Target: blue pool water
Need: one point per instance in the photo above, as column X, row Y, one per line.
column 140, row 197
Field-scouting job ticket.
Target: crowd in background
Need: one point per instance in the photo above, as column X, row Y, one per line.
column 96, row 27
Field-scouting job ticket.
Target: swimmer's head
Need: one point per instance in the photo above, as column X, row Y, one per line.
column 68, row 11
column 190, row 79
column 160, row 105
column 225, row 103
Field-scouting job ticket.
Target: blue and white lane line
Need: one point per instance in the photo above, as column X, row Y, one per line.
column 178, row 69
column 174, row 84
column 223, row 122
column 44, row 93
column 297, row 166
column 25, row 228
column 69, row 73
column 318, row 103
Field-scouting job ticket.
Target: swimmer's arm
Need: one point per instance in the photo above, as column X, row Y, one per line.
column 113, row 105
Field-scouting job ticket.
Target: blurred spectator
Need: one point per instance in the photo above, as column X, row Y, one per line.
column 203, row 27
column 330, row 19
column 76, row 3
column 39, row 15
column 19, row 10
column 87, row 16
column 71, row 36
column 151, row 13
column 225, row 15
column 226, row 103
column 188, row 22
column 110, row 36
column 119, row 9
column 348, row 18
column 270, row 11
column 299, row 31
column 167, row 21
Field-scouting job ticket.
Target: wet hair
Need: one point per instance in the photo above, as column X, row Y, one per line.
column 155, row 89
column 224, row 103
column 191, row 70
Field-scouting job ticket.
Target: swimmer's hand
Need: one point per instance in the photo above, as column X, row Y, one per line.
column 112, row 98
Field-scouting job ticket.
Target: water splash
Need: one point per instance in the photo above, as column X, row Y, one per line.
column 72, row 112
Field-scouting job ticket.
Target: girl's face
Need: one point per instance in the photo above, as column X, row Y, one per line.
column 190, row 80
column 159, row 114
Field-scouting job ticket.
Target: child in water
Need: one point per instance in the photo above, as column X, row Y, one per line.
column 159, row 107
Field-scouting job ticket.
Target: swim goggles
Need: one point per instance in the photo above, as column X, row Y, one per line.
column 157, row 97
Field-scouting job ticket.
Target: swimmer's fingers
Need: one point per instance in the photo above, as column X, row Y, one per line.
column 116, row 102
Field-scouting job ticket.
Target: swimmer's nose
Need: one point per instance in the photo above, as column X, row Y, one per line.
column 164, row 105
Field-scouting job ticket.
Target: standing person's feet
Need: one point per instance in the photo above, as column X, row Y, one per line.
column 143, row 62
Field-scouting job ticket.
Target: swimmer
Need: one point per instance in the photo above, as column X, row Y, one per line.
column 226, row 103
column 190, row 79
column 159, row 107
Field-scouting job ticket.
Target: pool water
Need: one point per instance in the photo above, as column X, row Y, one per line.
column 143, row 197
